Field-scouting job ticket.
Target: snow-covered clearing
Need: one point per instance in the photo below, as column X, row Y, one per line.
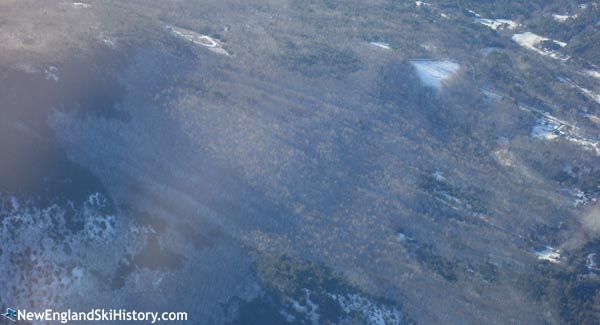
column 435, row 73
column 550, row 128
column 547, row 129
column 533, row 42
column 561, row 18
column 496, row 24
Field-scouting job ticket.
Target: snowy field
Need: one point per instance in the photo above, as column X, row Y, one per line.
column 435, row 73
column 496, row 24
column 561, row 18
column 532, row 41
column 550, row 128
column 546, row 129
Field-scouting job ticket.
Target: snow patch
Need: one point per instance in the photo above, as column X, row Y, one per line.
column 505, row 157
column 593, row 118
column 81, row 5
column 382, row 45
column 213, row 44
column 405, row 238
column 51, row 73
column 591, row 262
column 310, row 310
column 435, row 73
column 593, row 73
column 473, row 13
column 548, row 254
column 561, row 18
column 581, row 198
column 550, row 127
column 371, row 312
column 439, row 176
column 533, row 42
column 591, row 94
column 110, row 42
column 496, row 24
column 54, row 245
column 585, row 143
column 489, row 49
column 546, row 129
